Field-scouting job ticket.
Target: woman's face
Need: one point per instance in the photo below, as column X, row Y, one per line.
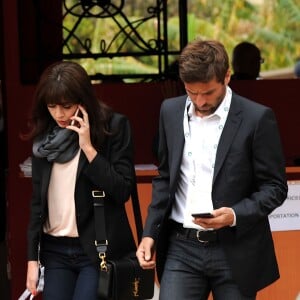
column 61, row 113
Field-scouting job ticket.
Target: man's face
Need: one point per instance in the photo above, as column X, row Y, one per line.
column 207, row 96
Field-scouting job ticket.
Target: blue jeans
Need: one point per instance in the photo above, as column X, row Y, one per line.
column 195, row 269
column 69, row 273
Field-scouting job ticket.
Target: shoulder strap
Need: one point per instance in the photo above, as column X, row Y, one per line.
column 100, row 229
column 137, row 211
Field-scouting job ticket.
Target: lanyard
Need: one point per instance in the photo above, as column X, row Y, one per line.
column 188, row 138
column 213, row 139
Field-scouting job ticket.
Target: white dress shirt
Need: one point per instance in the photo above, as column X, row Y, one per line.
column 202, row 135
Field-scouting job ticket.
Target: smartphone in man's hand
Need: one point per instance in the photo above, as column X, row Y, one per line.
column 203, row 215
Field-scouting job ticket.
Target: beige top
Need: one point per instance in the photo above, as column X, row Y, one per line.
column 61, row 203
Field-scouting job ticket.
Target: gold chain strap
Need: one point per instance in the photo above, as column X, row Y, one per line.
column 103, row 264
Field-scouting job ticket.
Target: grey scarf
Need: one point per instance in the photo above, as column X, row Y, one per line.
column 59, row 145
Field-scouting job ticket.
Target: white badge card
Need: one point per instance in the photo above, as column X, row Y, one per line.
column 201, row 201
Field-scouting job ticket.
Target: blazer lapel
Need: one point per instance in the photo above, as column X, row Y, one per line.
column 178, row 144
column 178, row 131
column 81, row 163
column 232, row 124
column 45, row 180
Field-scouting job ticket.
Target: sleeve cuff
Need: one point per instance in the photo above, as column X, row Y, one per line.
column 234, row 218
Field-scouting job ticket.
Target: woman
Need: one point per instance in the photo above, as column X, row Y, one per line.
column 80, row 146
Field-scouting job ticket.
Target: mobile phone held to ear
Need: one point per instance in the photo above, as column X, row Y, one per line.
column 203, row 215
column 76, row 114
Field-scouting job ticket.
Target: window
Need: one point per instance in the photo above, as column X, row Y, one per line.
column 139, row 40
column 118, row 40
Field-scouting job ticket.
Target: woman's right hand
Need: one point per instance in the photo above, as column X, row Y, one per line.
column 32, row 276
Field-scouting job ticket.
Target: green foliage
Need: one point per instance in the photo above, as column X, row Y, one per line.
column 273, row 25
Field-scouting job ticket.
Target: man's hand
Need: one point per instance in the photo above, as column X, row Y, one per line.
column 223, row 217
column 145, row 253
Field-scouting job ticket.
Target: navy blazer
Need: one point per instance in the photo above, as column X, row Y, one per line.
column 112, row 171
column 249, row 176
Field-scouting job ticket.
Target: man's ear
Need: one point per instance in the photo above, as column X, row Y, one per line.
column 227, row 77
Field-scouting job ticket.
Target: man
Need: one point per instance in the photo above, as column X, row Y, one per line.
column 219, row 153
column 246, row 61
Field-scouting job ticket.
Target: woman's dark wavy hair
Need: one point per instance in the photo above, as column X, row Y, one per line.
column 68, row 82
column 203, row 61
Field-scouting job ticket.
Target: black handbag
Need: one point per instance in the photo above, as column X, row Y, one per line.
column 121, row 279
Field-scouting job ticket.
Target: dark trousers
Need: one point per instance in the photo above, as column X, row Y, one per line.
column 194, row 269
column 69, row 273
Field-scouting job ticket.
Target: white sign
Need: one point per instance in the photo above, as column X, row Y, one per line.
column 287, row 216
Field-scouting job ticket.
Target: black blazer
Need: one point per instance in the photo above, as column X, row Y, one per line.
column 112, row 171
column 249, row 176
